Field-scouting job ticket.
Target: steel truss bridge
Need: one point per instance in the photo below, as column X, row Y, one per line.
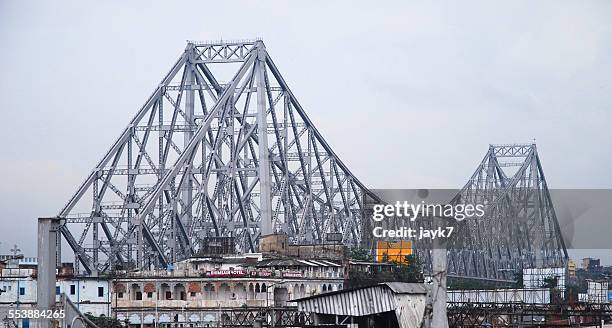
column 223, row 148
column 519, row 228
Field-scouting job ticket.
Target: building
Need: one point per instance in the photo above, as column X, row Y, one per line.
column 278, row 245
column 597, row 291
column 208, row 289
column 591, row 264
column 369, row 267
column 393, row 251
column 545, row 278
column 571, row 268
column 18, row 288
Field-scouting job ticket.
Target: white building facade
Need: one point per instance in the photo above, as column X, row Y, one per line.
column 18, row 288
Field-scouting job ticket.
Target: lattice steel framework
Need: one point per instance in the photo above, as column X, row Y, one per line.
column 206, row 158
column 519, row 228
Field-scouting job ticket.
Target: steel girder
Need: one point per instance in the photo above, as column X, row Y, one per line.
column 204, row 158
column 519, row 228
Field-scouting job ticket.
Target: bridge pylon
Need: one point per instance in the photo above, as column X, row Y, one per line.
column 221, row 148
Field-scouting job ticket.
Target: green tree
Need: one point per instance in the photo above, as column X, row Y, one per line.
column 410, row 271
column 360, row 254
column 104, row 322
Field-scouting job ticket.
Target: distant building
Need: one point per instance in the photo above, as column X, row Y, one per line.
column 591, row 264
column 544, row 277
column 571, row 268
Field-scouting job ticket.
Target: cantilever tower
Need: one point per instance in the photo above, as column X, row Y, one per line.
column 223, row 148
column 206, row 158
column 520, row 227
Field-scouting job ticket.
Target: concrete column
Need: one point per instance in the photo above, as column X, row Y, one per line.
column 439, row 267
column 47, row 242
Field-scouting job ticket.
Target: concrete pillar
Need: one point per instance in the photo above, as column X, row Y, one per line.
column 439, row 267
column 47, row 242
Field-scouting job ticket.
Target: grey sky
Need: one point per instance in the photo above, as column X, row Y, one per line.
column 408, row 94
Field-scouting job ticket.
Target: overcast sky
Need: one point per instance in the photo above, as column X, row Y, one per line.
column 408, row 94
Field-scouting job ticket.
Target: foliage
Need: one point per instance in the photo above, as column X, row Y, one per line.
column 105, row 322
column 360, row 254
column 398, row 272
column 411, row 270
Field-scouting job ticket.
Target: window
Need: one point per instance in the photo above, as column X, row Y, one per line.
column 72, row 289
column 57, row 290
column 100, row 291
column 21, row 291
column 193, row 294
column 168, row 295
column 150, row 294
column 139, row 296
column 120, row 294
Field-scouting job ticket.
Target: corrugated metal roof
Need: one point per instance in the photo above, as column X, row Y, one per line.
column 360, row 301
column 396, row 287
column 307, row 263
column 279, row 263
column 329, row 263
column 407, row 288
